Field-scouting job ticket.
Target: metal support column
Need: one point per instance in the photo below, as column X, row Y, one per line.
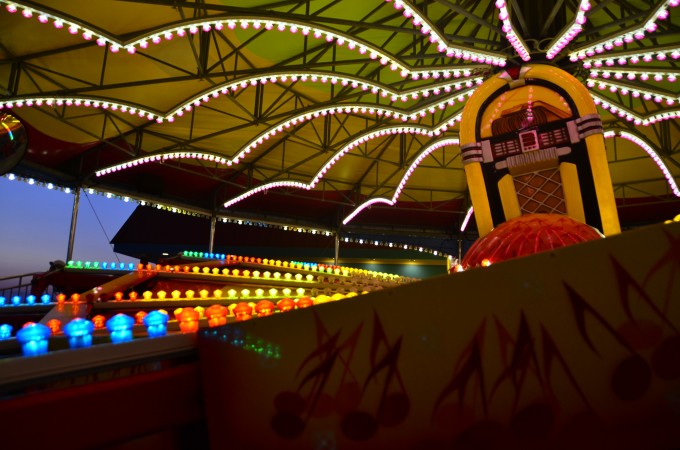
column 213, row 221
column 337, row 248
column 74, row 220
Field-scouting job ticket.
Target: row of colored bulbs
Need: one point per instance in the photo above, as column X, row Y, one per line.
column 267, row 23
column 16, row 300
column 34, row 337
column 240, row 273
column 320, row 268
column 204, row 294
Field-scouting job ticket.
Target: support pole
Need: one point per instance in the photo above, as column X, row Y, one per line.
column 337, row 248
column 213, row 221
column 74, row 221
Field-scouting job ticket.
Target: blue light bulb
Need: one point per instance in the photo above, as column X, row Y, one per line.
column 30, row 299
column 120, row 327
column 156, row 324
column 105, row 265
column 5, row 331
column 79, row 332
column 46, row 299
column 16, row 300
column 2, row 300
column 131, row 266
column 34, row 339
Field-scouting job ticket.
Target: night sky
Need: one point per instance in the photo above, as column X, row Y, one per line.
column 35, row 222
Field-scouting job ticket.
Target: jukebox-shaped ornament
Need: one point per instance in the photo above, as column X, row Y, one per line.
column 532, row 142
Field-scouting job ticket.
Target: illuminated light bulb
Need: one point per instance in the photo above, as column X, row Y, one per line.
column 147, row 295
column 45, row 299
column 235, row 272
column 300, row 292
column 286, row 304
column 242, row 311
column 34, row 339
column 5, row 331
column 225, row 271
column 189, row 294
column 305, row 302
column 75, row 297
column 120, row 328
column 203, row 293
column 99, row 321
column 217, row 293
column 206, row 270
column 273, row 292
column 161, row 295
column 217, row 315
column 132, row 296
column 79, row 333
column 310, row 277
column 259, row 292
column 156, row 323
column 216, row 271
column 188, row 320
column 267, row 274
column 231, row 293
column 264, row 308
column 245, row 293
column 256, row 274
column 54, row 325
column 200, row 310
column 195, row 269
column 486, row 262
column 277, row 275
column 246, row 273
column 176, row 294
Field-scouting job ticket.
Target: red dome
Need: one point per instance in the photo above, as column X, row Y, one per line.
column 526, row 235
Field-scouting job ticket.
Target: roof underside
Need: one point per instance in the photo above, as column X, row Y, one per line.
column 277, row 90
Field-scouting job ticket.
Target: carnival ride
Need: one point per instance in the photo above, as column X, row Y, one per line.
column 559, row 348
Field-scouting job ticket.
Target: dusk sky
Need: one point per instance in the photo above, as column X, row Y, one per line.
column 35, row 222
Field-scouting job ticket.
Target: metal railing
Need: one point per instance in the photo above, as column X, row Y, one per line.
column 19, row 285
